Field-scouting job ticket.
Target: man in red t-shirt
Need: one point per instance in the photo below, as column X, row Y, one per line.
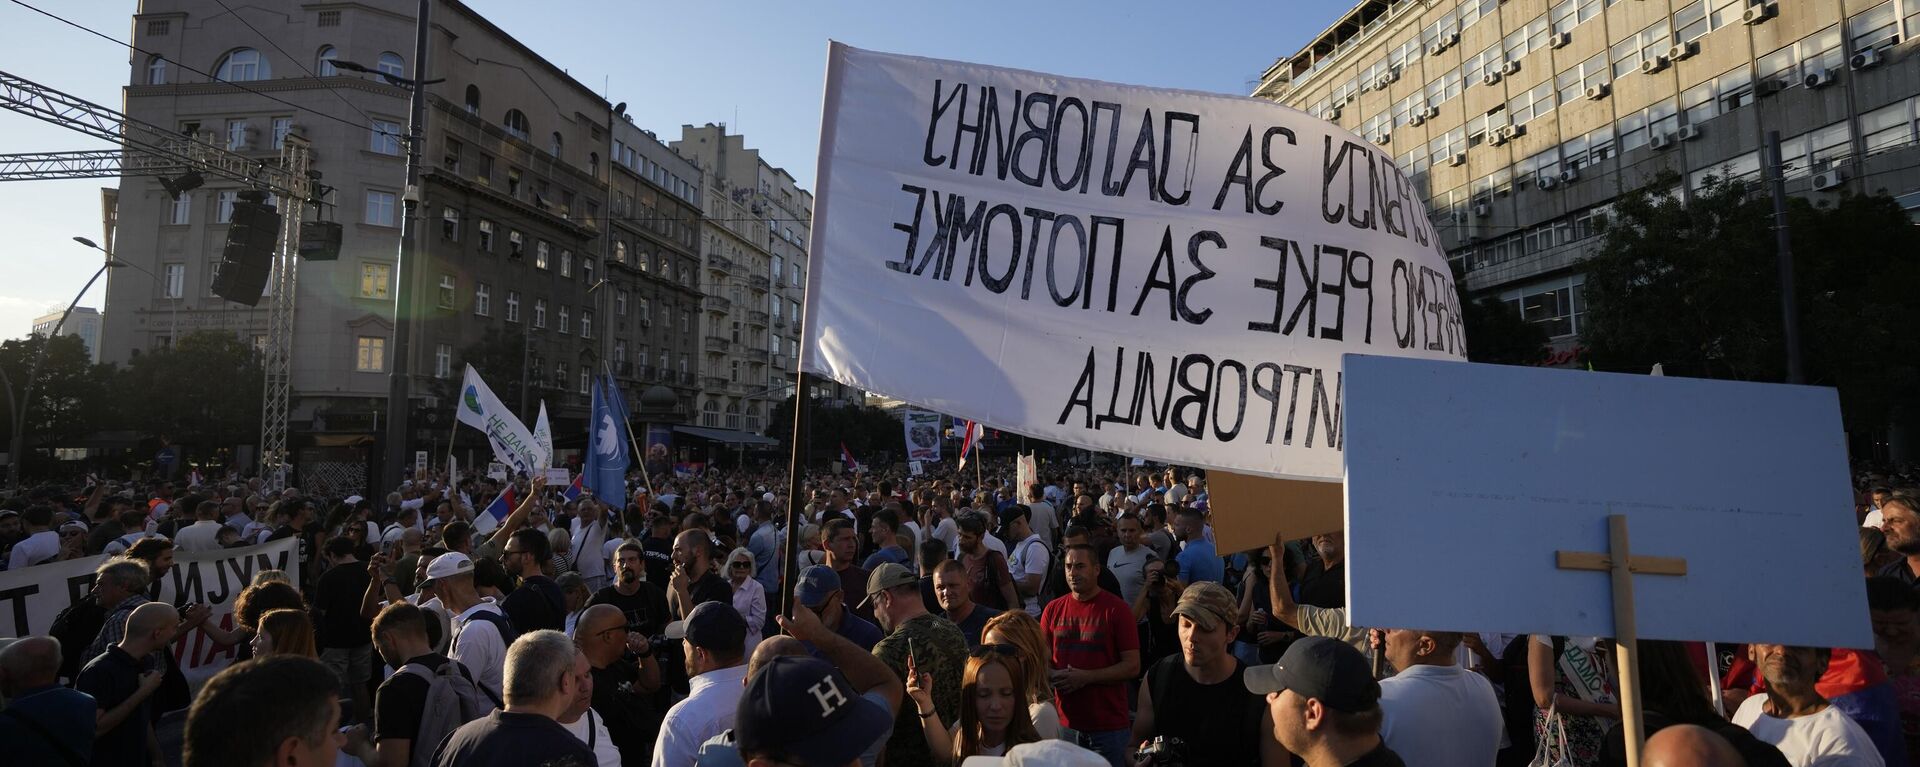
column 1096, row 652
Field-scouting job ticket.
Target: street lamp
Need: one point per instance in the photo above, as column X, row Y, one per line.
column 17, row 451
column 173, row 306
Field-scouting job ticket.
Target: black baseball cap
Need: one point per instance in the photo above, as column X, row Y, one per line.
column 711, row 626
column 820, row 719
column 1326, row 670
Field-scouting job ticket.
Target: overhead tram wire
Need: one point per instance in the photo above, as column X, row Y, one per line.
column 210, row 77
column 296, row 61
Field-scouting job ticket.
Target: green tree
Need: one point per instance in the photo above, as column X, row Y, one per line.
column 202, row 392
column 867, row 431
column 1496, row 333
column 1694, row 285
column 71, row 395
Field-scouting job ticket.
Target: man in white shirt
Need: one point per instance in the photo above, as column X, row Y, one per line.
column 714, row 638
column 204, row 533
column 42, row 544
column 477, row 640
column 1128, row 561
column 1796, row 718
column 589, row 537
column 1029, row 558
column 1435, row 712
column 1044, row 520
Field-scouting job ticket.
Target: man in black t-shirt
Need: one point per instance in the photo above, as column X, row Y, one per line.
column 1324, row 704
column 545, row 675
column 694, row 582
column 624, row 691
column 400, row 633
column 657, row 549
column 1325, row 582
column 643, row 603
column 122, row 686
column 1198, row 697
column 537, row 603
column 341, row 631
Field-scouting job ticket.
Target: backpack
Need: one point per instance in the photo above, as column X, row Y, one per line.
column 75, row 629
column 453, row 699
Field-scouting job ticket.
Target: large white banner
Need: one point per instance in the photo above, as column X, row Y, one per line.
column 30, row 598
column 922, row 435
column 1150, row 272
column 512, row 444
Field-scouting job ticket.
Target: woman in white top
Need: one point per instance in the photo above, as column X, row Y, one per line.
column 1015, row 628
column 993, row 711
column 749, row 597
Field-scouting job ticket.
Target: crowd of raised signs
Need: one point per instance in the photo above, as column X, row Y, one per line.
column 1085, row 619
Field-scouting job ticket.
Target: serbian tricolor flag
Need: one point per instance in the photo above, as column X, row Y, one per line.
column 573, row 491
column 975, row 433
column 846, row 457
column 496, row 512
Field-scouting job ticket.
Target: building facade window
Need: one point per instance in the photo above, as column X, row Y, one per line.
column 513, row 306
column 174, row 280
column 482, row 299
column 383, row 137
column 370, row 354
column 446, row 296
column 323, row 62
column 442, row 360
column 516, row 244
column 243, row 65
column 237, row 135
column 566, row 325
column 379, row 208
column 516, row 124
column 586, row 323
column 156, row 70
column 620, row 302
column 539, row 313
column 473, row 99
column 375, row 281
column 450, row 224
column 540, row 252
column 391, row 64
column 566, row 263
column 223, row 211
column 282, row 127
column 180, row 210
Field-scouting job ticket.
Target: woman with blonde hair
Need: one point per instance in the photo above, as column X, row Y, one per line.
column 1019, row 630
column 993, row 717
column 749, row 597
column 284, row 632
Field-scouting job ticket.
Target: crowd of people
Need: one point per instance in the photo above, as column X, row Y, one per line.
column 1087, row 618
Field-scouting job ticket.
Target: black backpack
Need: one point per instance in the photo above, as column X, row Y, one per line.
column 75, row 629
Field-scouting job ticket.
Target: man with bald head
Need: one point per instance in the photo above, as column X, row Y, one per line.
column 45, row 723
column 1687, row 745
column 122, row 685
column 623, row 689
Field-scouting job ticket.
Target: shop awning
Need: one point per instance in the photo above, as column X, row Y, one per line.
column 727, row 436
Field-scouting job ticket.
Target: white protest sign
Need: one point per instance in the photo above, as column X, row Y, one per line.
column 497, row 471
column 922, row 434
column 1160, row 273
column 419, row 460
column 1026, row 474
column 916, row 468
column 1464, row 480
column 558, row 478
column 30, row 598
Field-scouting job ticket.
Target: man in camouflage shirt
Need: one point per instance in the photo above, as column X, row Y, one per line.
column 938, row 648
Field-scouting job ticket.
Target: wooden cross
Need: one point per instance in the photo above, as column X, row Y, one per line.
column 1620, row 562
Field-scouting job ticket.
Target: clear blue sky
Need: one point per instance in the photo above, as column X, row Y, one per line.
column 755, row 65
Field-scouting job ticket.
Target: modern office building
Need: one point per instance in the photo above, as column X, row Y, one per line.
column 83, row 323
column 515, row 205
column 1521, row 120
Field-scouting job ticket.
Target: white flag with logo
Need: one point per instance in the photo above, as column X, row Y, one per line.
column 512, row 444
column 543, row 436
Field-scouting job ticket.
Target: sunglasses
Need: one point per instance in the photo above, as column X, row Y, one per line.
column 994, row 648
column 742, row 565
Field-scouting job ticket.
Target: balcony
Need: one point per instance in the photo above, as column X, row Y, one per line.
column 757, row 318
column 719, row 263
column 717, row 304
column 757, row 282
column 716, row 383
column 686, row 379
column 779, row 323
column 718, row 345
column 780, row 361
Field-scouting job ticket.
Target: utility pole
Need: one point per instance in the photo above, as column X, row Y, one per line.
column 398, row 409
column 1789, row 300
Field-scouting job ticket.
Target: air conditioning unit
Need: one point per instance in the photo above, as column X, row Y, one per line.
column 1383, row 138
column 1759, row 14
column 1768, row 87
column 1381, row 83
column 1490, row 78
column 1561, row 40
column 1453, row 38
column 1569, row 175
column 1458, row 216
column 1431, row 112
column 1831, row 179
column 1819, row 78
column 1662, row 141
column 1482, row 210
column 1436, row 49
column 1510, row 68
column 1513, row 131
column 1497, row 138
column 1418, row 118
column 1333, row 113
column 1599, row 91
column 1654, row 64
column 1866, row 59
column 1689, row 132
column 1684, row 51
column 1392, row 76
column 1546, row 182
column 1458, row 159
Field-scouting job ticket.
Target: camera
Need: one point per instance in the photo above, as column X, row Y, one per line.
column 1162, row 751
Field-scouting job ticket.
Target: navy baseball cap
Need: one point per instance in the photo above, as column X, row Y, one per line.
column 820, row 719
column 1324, row 669
column 711, row 626
column 817, row 582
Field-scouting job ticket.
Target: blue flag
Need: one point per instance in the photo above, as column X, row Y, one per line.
column 605, row 470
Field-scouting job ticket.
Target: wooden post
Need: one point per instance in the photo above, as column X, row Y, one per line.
column 1621, row 565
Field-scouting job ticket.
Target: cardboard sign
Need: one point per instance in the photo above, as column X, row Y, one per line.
column 1464, row 480
column 1157, row 273
column 1247, row 511
column 559, row 478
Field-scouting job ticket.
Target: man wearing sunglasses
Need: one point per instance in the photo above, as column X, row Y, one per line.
column 537, row 603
